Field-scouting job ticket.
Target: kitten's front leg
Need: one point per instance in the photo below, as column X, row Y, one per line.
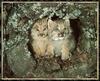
column 50, row 51
column 65, row 53
column 36, row 50
column 39, row 48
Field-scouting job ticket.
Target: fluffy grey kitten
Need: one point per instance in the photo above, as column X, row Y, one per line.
column 61, row 41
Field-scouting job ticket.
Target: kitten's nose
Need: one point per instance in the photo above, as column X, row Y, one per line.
column 61, row 34
column 41, row 34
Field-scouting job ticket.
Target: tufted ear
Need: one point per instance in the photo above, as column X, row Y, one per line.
column 35, row 25
column 50, row 23
column 45, row 19
column 67, row 22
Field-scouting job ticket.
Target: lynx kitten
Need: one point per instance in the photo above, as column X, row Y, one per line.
column 39, row 36
column 61, row 42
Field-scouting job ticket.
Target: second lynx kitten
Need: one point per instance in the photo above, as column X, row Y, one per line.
column 39, row 36
column 61, row 42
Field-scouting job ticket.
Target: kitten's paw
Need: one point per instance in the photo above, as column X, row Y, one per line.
column 66, row 56
column 48, row 55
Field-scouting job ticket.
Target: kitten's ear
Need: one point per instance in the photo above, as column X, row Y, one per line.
column 67, row 22
column 35, row 26
column 50, row 22
column 45, row 19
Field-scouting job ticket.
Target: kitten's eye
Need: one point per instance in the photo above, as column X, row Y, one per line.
column 44, row 28
column 58, row 28
column 37, row 29
column 65, row 28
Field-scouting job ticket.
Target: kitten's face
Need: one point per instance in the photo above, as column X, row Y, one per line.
column 59, row 29
column 40, row 28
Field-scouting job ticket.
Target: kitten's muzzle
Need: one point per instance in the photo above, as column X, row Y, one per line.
column 41, row 34
column 61, row 34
